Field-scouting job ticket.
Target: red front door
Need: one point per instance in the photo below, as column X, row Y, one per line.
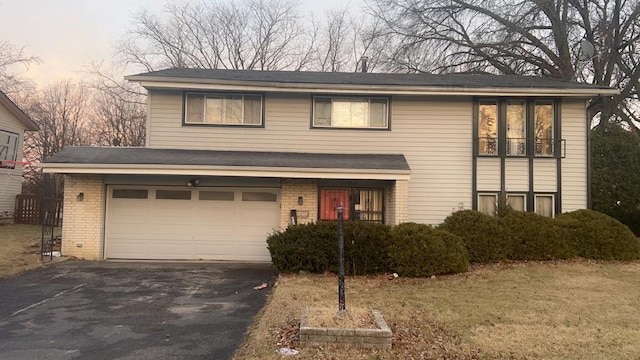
column 330, row 199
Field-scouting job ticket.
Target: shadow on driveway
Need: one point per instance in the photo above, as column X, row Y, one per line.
column 123, row 310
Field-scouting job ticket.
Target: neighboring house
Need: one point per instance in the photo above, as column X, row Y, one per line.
column 13, row 123
column 231, row 153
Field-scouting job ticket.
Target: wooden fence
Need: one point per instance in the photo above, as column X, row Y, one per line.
column 29, row 210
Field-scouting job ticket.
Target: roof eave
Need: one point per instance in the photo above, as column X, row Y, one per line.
column 208, row 170
column 18, row 113
column 180, row 83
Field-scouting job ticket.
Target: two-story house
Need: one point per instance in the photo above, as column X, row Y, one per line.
column 13, row 124
column 233, row 155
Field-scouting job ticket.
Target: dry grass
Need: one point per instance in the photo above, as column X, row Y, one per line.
column 356, row 317
column 20, row 248
column 559, row 310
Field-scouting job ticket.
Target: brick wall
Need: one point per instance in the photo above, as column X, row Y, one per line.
column 396, row 202
column 83, row 219
column 291, row 190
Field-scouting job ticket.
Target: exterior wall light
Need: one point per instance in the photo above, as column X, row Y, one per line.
column 80, row 196
column 193, row 182
column 300, row 200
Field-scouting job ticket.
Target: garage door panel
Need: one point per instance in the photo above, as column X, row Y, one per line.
column 215, row 228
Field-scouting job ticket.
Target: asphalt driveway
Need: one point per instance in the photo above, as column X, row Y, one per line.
column 123, row 310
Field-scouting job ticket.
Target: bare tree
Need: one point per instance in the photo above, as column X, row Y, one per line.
column 119, row 108
column 12, row 58
column 63, row 113
column 528, row 37
column 247, row 34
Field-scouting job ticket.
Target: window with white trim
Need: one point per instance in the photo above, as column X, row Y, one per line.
column 544, row 205
column 223, row 109
column 8, row 149
column 487, row 203
column 517, row 201
column 350, row 112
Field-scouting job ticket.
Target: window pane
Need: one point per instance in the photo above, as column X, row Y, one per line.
column 516, row 128
column 130, row 194
column 195, row 108
column 259, row 196
column 516, row 202
column 378, row 113
column 544, row 205
column 322, row 112
column 544, row 129
column 350, row 113
column 368, row 205
column 214, row 109
column 233, row 109
column 487, row 204
column 488, row 129
column 173, row 194
column 253, row 109
column 216, row 195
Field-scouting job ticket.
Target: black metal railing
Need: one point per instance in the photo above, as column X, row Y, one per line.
column 543, row 147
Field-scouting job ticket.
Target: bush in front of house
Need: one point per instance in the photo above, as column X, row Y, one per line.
column 314, row 247
column 536, row 237
column 598, row 236
column 484, row 237
column 365, row 247
column 305, row 247
column 420, row 250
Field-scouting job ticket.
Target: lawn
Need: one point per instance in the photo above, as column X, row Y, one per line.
column 554, row 310
column 20, row 248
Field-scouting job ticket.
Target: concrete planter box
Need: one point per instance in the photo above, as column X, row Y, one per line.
column 360, row 338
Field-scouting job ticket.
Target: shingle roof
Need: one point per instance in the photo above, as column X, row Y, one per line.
column 146, row 156
column 359, row 78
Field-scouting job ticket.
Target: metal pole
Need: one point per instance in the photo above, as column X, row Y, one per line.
column 341, row 305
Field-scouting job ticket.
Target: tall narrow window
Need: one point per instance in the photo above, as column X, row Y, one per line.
column 487, row 203
column 544, row 205
column 488, row 128
column 517, row 202
column 516, row 127
column 544, row 129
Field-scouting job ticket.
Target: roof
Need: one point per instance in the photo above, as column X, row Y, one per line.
column 468, row 83
column 17, row 112
column 135, row 160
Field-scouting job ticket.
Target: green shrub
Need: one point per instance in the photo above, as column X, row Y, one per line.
column 365, row 247
column 420, row 250
column 599, row 236
column 314, row 247
column 305, row 247
column 483, row 235
column 536, row 237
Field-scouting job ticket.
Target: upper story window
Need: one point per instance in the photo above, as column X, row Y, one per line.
column 223, row 109
column 516, row 127
column 350, row 112
column 8, row 149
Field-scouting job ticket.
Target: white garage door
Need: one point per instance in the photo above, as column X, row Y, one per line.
column 184, row 223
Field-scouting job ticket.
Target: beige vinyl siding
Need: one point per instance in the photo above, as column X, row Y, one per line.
column 10, row 179
column 488, row 174
column 545, row 175
column 517, row 175
column 574, row 165
column 434, row 134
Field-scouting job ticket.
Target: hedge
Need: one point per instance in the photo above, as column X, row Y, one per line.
column 484, row 236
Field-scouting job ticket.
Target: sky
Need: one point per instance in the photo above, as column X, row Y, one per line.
column 68, row 34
